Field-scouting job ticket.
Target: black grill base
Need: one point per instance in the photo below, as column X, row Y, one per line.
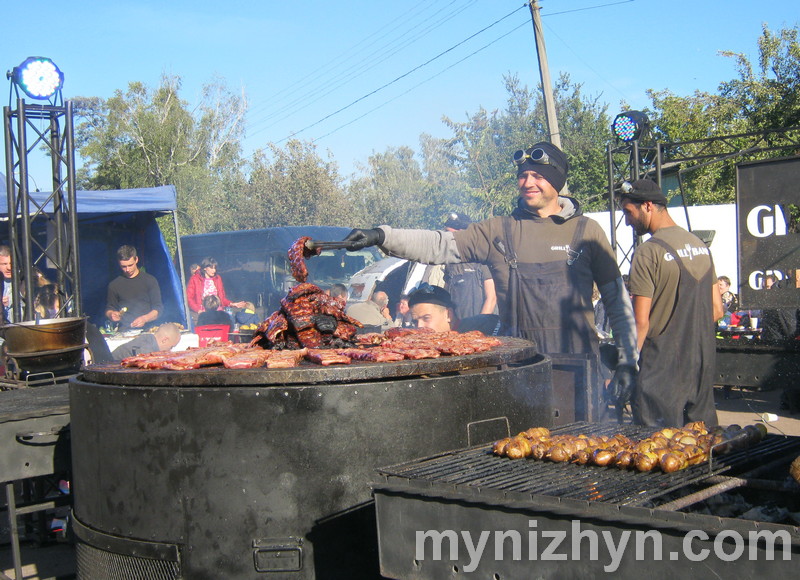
column 259, row 480
column 401, row 515
column 96, row 564
column 101, row 556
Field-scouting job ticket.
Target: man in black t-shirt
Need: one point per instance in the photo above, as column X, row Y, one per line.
column 134, row 298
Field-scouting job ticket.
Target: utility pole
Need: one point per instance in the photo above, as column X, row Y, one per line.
column 544, row 73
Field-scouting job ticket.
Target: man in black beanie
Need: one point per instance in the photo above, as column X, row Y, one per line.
column 676, row 302
column 544, row 259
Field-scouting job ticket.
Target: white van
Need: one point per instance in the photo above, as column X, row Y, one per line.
column 395, row 276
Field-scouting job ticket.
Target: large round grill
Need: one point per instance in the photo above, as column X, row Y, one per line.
column 239, row 473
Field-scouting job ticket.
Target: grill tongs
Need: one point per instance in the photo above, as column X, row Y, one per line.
column 313, row 245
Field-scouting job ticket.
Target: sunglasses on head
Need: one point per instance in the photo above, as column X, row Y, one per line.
column 537, row 155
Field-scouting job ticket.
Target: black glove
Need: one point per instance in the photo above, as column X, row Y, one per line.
column 620, row 390
column 364, row 238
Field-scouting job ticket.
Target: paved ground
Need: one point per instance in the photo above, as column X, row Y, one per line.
column 52, row 562
column 743, row 407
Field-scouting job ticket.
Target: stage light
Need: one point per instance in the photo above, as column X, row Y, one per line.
column 38, row 77
column 630, row 125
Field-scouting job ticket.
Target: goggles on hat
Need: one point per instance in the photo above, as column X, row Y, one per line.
column 626, row 187
column 537, row 155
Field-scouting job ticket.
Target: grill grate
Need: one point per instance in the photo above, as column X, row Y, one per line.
column 479, row 468
column 96, row 564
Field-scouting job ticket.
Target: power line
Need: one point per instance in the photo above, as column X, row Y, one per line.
column 578, row 56
column 441, row 72
column 328, row 65
column 589, row 8
column 418, row 67
column 374, row 59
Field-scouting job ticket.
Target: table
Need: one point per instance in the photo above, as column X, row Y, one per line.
column 739, row 332
column 34, row 441
column 240, row 336
column 749, row 362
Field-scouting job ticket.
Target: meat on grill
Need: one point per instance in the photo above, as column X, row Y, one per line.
column 308, row 318
column 326, row 357
column 284, row 359
column 298, row 253
column 314, row 326
column 414, row 344
column 371, row 354
column 669, row 449
column 249, row 359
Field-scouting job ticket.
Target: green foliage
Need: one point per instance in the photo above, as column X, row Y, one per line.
column 770, row 96
column 765, row 97
column 584, row 125
column 148, row 137
column 293, row 186
column 487, row 142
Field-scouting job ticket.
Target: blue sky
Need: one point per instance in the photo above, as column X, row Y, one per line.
column 358, row 77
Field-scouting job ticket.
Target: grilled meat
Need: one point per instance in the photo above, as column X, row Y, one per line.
column 298, row 253
column 669, row 449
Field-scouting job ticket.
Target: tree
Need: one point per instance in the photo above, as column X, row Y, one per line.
column 445, row 185
column 683, row 125
column 392, row 191
column 294, row 186
column 769, row 97
column 148, row 138
column 487, row 140
column 756, row 101
column 585, row 129
column 483, row 148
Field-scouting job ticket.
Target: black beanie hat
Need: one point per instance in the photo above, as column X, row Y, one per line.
column 554, row 171
column 427, row 294
column 645, row 190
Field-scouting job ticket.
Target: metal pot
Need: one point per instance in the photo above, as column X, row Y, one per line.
column 52, row 345
column 44, row 335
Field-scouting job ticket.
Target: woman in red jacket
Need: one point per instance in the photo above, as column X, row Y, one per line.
column 206, row 282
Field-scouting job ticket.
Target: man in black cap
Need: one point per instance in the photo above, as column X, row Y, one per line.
column 676, row 303
column 432, row 307
column 470, row 284
column 543, row 258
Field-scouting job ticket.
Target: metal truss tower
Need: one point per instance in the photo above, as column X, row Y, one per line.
column 35, row 129
column 644, row 157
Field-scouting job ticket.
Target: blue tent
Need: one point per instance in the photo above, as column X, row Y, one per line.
column 108, row 219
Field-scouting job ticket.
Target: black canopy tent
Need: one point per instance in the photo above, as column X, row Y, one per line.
column 106, row 220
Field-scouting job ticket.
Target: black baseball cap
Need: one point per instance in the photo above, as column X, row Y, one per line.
column 427, row 294
column 644, row 190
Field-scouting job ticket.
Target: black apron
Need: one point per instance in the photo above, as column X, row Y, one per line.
column 676, row 368
column 464, row 281
column 544, row 300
